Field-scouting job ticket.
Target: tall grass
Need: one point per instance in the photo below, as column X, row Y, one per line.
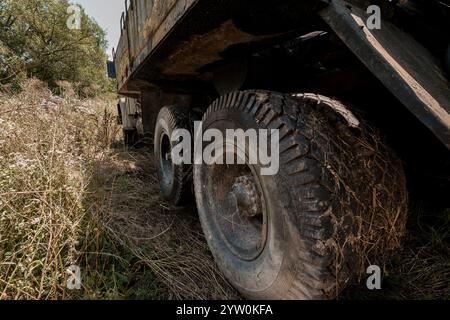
column 70, row 196
column 48, row 146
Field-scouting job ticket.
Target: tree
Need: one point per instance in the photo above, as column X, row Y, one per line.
column 37, row 32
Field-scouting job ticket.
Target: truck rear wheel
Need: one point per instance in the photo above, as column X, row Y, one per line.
column 175, row 180
column 337, row 205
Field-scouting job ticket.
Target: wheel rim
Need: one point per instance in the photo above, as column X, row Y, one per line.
column 238, row 210
column 166, row 164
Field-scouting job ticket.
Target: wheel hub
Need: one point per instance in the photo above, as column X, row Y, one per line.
column 247, row 197
column 238, row 209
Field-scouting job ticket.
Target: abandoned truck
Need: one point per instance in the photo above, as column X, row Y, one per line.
column 359, row 93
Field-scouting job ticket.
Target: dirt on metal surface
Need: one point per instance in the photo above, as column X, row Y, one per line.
column 206, row 49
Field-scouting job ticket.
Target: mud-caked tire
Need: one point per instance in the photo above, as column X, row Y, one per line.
column 337, row 205
column 175, row 180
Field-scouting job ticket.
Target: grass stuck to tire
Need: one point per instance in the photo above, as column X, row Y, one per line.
column 338, row 205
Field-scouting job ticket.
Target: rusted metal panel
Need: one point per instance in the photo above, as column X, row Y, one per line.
column 144, row 25
column 206, row 49
column 406, row 68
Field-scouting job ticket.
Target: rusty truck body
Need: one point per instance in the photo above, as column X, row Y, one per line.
column 308, row 68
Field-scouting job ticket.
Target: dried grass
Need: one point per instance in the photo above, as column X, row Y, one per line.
column 167, row 240
column 46, row 148
column 369, row 206
column 68, row 198
column 421, row 270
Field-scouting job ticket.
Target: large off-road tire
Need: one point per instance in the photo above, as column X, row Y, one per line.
column 175, row 180
column 337, row 205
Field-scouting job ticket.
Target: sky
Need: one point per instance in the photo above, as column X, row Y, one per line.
column 107, row 14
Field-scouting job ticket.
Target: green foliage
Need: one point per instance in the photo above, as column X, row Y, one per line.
column 12, row 70
column 37, row 32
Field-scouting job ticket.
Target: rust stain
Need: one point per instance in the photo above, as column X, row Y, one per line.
column 204, row 49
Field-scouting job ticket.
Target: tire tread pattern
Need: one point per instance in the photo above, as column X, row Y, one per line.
column 316, row 133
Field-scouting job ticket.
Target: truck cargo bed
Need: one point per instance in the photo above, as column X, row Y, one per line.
column 171, row 40
column 143, row 26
